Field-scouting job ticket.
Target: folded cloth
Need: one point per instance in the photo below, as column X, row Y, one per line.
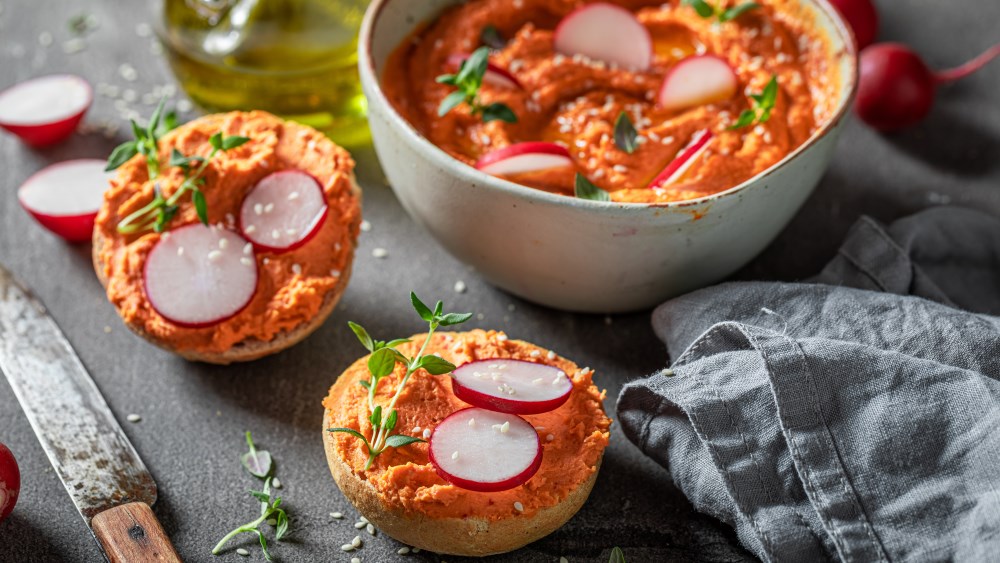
column 853, row 418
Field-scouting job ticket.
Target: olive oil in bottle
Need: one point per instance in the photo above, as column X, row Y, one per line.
column 294, row 58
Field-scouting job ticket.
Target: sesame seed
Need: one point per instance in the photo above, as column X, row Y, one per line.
column 454, row 455
column 276, row 234
column 335, row 273
column 583, row 371
column 242, row 552
column 539, row 428
column 563, row 560
column 505, row 427
column 45, row 39
column 415, row 550
column 107, row 330
column 550, row 437
column 290, row 231
column 347, row 547
column 184, row 106
column 403, row 551
column 460, row 286
column 337, row 515
column 276, row 483
column 180, row 251
column 247, row 248
column 271, row 522
column 366, row 226
column 214, row 255
column 297, row 268
column 258, row 208
column 502, row 337
column 223, row 243
column 380, row 253
column 264, row 164
column 536, row 353
column 267, row 260
column 363, row 519
column 355, row 560
column 427, row 433
column 133, row 418
column 250, row 229
column 620, row 168
column 538, row 381
column 370, row 529
column 269, row 208
column 417, row 429
column 518, row 506
column 359, row 525
column 246, row 261
column 356, row 542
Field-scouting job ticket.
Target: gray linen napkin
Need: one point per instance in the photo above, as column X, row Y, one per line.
column 854, row 418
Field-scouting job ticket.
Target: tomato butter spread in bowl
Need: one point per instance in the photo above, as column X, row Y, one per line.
column 232, row 239
column 602, row 157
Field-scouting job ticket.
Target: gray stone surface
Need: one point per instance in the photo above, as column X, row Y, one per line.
column 193, row 416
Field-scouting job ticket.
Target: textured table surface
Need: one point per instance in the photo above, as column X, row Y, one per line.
column 193, row 416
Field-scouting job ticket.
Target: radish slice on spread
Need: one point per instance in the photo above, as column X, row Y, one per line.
column 66, row 196
column 485, row 451
column 45, row 110
column 495, row 74
column 511, row 386
column 606, row 33
column 197, row 276
column 283, row 211
column 684, row 160
column 518, row 158
column 697, row 80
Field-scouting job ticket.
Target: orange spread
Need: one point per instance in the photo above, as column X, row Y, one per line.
column 405, row 478
column 574, row 101
column 291, row 287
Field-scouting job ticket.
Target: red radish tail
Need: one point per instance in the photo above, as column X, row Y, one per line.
column 961, row 71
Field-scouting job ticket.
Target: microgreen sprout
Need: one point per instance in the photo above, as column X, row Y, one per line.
column 617, row 556
column 257, row 462
column 157, row 213
column 382, row 362
column 708, row 11
column 762, row 105
column 268, row 510
column 467, row 82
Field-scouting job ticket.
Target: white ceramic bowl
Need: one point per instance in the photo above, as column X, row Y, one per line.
column 575, row 254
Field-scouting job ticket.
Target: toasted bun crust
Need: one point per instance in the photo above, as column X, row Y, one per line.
column 472, row 537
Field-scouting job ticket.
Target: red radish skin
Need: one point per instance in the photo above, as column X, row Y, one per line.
column 605, row 32
column 897, row 89
column 687, row 157
column 283, row 211
column 198, row 276
column 65, row 197
column 697, row 80
column 484, row 455
column 10, row 482
column 861, row 17
column 495, row 74
column 511, row 386
column 45, row 110
column 530, row 156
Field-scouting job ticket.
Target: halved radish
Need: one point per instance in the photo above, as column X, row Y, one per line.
column 530, row 156
column 283, row 211
column 45, row 110
column 65, row 197
column 511, row 386
column 485, row 451
column 606, row 33
column 198, row 276
column 698, row 80
column 495, row 74
column 677, row 168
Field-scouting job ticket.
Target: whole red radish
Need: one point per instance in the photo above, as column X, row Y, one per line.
column 897, row 89
column 10, row 482
column 862, row 17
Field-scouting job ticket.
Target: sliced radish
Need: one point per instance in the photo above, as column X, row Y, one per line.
column 197, row 276
column 283, row 211
column 511, row 386
column 495, row 74
column 66, row 196
column 485, row 451
column 606, row 33
column 696, row 81
column 684, row 160
column 43, row 111
column 518, row 158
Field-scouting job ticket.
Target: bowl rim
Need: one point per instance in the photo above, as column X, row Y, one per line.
column 441, row 158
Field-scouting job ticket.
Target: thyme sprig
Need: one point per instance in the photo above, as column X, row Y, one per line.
column 761, row 108
column 382, row 362
column 157, row 213
column 467, row 82
column 268, row 510
column 724, row 15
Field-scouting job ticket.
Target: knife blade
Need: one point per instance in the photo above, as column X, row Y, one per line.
column 96, row 463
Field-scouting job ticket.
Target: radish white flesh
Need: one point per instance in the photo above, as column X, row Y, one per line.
column 495, row 74
column 511, row 386
column 606, row 33
column 681, row 164
column 45, row 110
column 65, row 197
column 696, row 81
column 485, row 451
column 283, row 211
column 197, row 276
column 519, row 158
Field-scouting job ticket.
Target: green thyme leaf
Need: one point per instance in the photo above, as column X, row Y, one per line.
column 154, row 120
column 122, row 154
column 584, row 189
column 498, row 112
column 617, row 556
column 263, row 545
column 473, row 69
column 491, row 37
column 703, row 8
column 381, row 363
column 198, row 198
column 167, row 124
column 454, row 319
column 364, row 383
column 421, row 309
column 762, row 106
column 350, row 431
column 216, row 141
column 625, row 134
column 450, row 102
column 399, row 440
column 230, row 143
column 362, row 335
column 737, row 11
column 436, row 365
column 746, row 118
column 281, row 526
column 397, row 342
column 449, row 79
column 390, row 422
column 376, row 417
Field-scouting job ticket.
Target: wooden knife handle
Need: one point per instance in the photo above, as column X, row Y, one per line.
column 130, row 533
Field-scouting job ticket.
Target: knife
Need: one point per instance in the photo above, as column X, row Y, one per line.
column 100, row 469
